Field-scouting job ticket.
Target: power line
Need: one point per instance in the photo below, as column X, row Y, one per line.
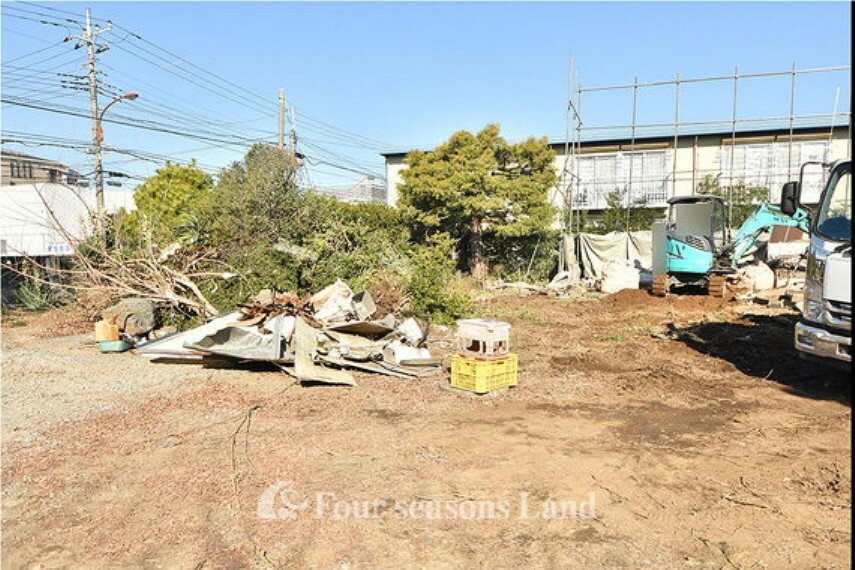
column 184, row 123
column 263, row 101
column 32, row 139
column 121, row 120
column 31, row 54
column 17, row 6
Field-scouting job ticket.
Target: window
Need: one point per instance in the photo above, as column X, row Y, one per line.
column 600, row 175
column 835, row 214
column 772, row 164
column 18, row 169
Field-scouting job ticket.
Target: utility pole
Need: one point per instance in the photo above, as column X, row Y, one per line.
column 282, row 119
column 88, row 38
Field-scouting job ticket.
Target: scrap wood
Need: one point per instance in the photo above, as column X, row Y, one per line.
column 267, row 304
column 250, row 322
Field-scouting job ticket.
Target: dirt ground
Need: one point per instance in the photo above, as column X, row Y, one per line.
column 675, row 432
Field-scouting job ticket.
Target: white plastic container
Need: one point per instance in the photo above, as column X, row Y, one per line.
column 483, row 338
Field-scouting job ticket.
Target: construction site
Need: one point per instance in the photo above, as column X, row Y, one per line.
column 627, row 346
column 705, row 439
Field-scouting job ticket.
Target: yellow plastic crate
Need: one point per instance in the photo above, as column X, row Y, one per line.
column 482, row 376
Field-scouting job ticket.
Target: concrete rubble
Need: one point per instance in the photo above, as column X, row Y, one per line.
column 316, row 339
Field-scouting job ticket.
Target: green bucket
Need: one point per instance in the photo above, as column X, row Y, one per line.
column 113, row 345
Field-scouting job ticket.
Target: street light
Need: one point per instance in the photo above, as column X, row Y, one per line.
column 129, row 96
column 99, row 170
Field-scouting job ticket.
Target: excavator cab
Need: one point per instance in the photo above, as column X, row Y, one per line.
column 702, row 216
column 687, row 242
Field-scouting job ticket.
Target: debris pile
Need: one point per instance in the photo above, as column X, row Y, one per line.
column 317, row 339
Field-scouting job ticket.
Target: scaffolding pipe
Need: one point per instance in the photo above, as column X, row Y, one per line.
column 567, row 214
column 569, row 187
column 587, row 194
column 676, row 134
column 717, row 122
column 721, row 78
column 577, row 148
column 732, row 152
column 792, row 118
column 631, row 153
column 831, row 131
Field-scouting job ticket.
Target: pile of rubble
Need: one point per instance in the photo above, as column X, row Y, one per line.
column 315, row 339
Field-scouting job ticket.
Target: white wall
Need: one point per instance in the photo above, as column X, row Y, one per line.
column 27, row 224
column 394, row 166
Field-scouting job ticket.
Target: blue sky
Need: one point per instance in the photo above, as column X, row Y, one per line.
column 407, row 74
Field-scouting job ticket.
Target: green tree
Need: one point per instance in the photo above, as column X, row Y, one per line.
column 166, row 202
column 743, row 199
column 618, row 218
column 255, row 199
column 475, row 187
column 434, row 286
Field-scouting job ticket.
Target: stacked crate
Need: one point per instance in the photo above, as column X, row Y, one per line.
column 483, row 362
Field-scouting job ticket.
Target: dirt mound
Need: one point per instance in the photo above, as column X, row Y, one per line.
column 629, row 298
column 692, row 301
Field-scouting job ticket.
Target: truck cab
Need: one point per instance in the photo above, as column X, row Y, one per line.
column 825, row 327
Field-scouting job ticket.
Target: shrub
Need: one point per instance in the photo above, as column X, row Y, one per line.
column 436, row 289
column 258, row 225
column 34, row 295
column 525, row 258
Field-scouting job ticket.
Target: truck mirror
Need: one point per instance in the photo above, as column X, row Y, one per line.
column 790, row 195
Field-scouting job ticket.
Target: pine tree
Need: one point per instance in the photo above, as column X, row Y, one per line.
column 474, row 187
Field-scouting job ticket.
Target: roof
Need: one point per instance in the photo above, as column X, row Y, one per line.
column 614, row 135
column 694, row 199
column 10, row 153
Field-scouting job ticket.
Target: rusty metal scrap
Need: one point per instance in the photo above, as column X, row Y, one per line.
column 268, row 304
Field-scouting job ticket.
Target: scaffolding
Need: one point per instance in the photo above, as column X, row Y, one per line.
column 571, row 179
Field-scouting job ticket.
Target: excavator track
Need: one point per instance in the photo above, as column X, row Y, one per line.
column 717, row 286
column 660, row 284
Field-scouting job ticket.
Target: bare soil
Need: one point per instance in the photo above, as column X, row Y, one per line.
column 686, row 426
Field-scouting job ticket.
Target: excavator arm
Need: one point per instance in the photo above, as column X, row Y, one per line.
column 762, row 220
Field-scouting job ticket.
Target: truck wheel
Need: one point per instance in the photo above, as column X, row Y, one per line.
column 660, row 284
column 717, row 286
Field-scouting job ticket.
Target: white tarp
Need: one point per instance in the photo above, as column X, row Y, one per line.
column 619, row 274
column 594, row 250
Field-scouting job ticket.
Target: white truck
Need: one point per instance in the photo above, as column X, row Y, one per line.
column 825, row 327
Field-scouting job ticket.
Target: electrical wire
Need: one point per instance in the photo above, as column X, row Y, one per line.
column 31, row 54
column 184, row 123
